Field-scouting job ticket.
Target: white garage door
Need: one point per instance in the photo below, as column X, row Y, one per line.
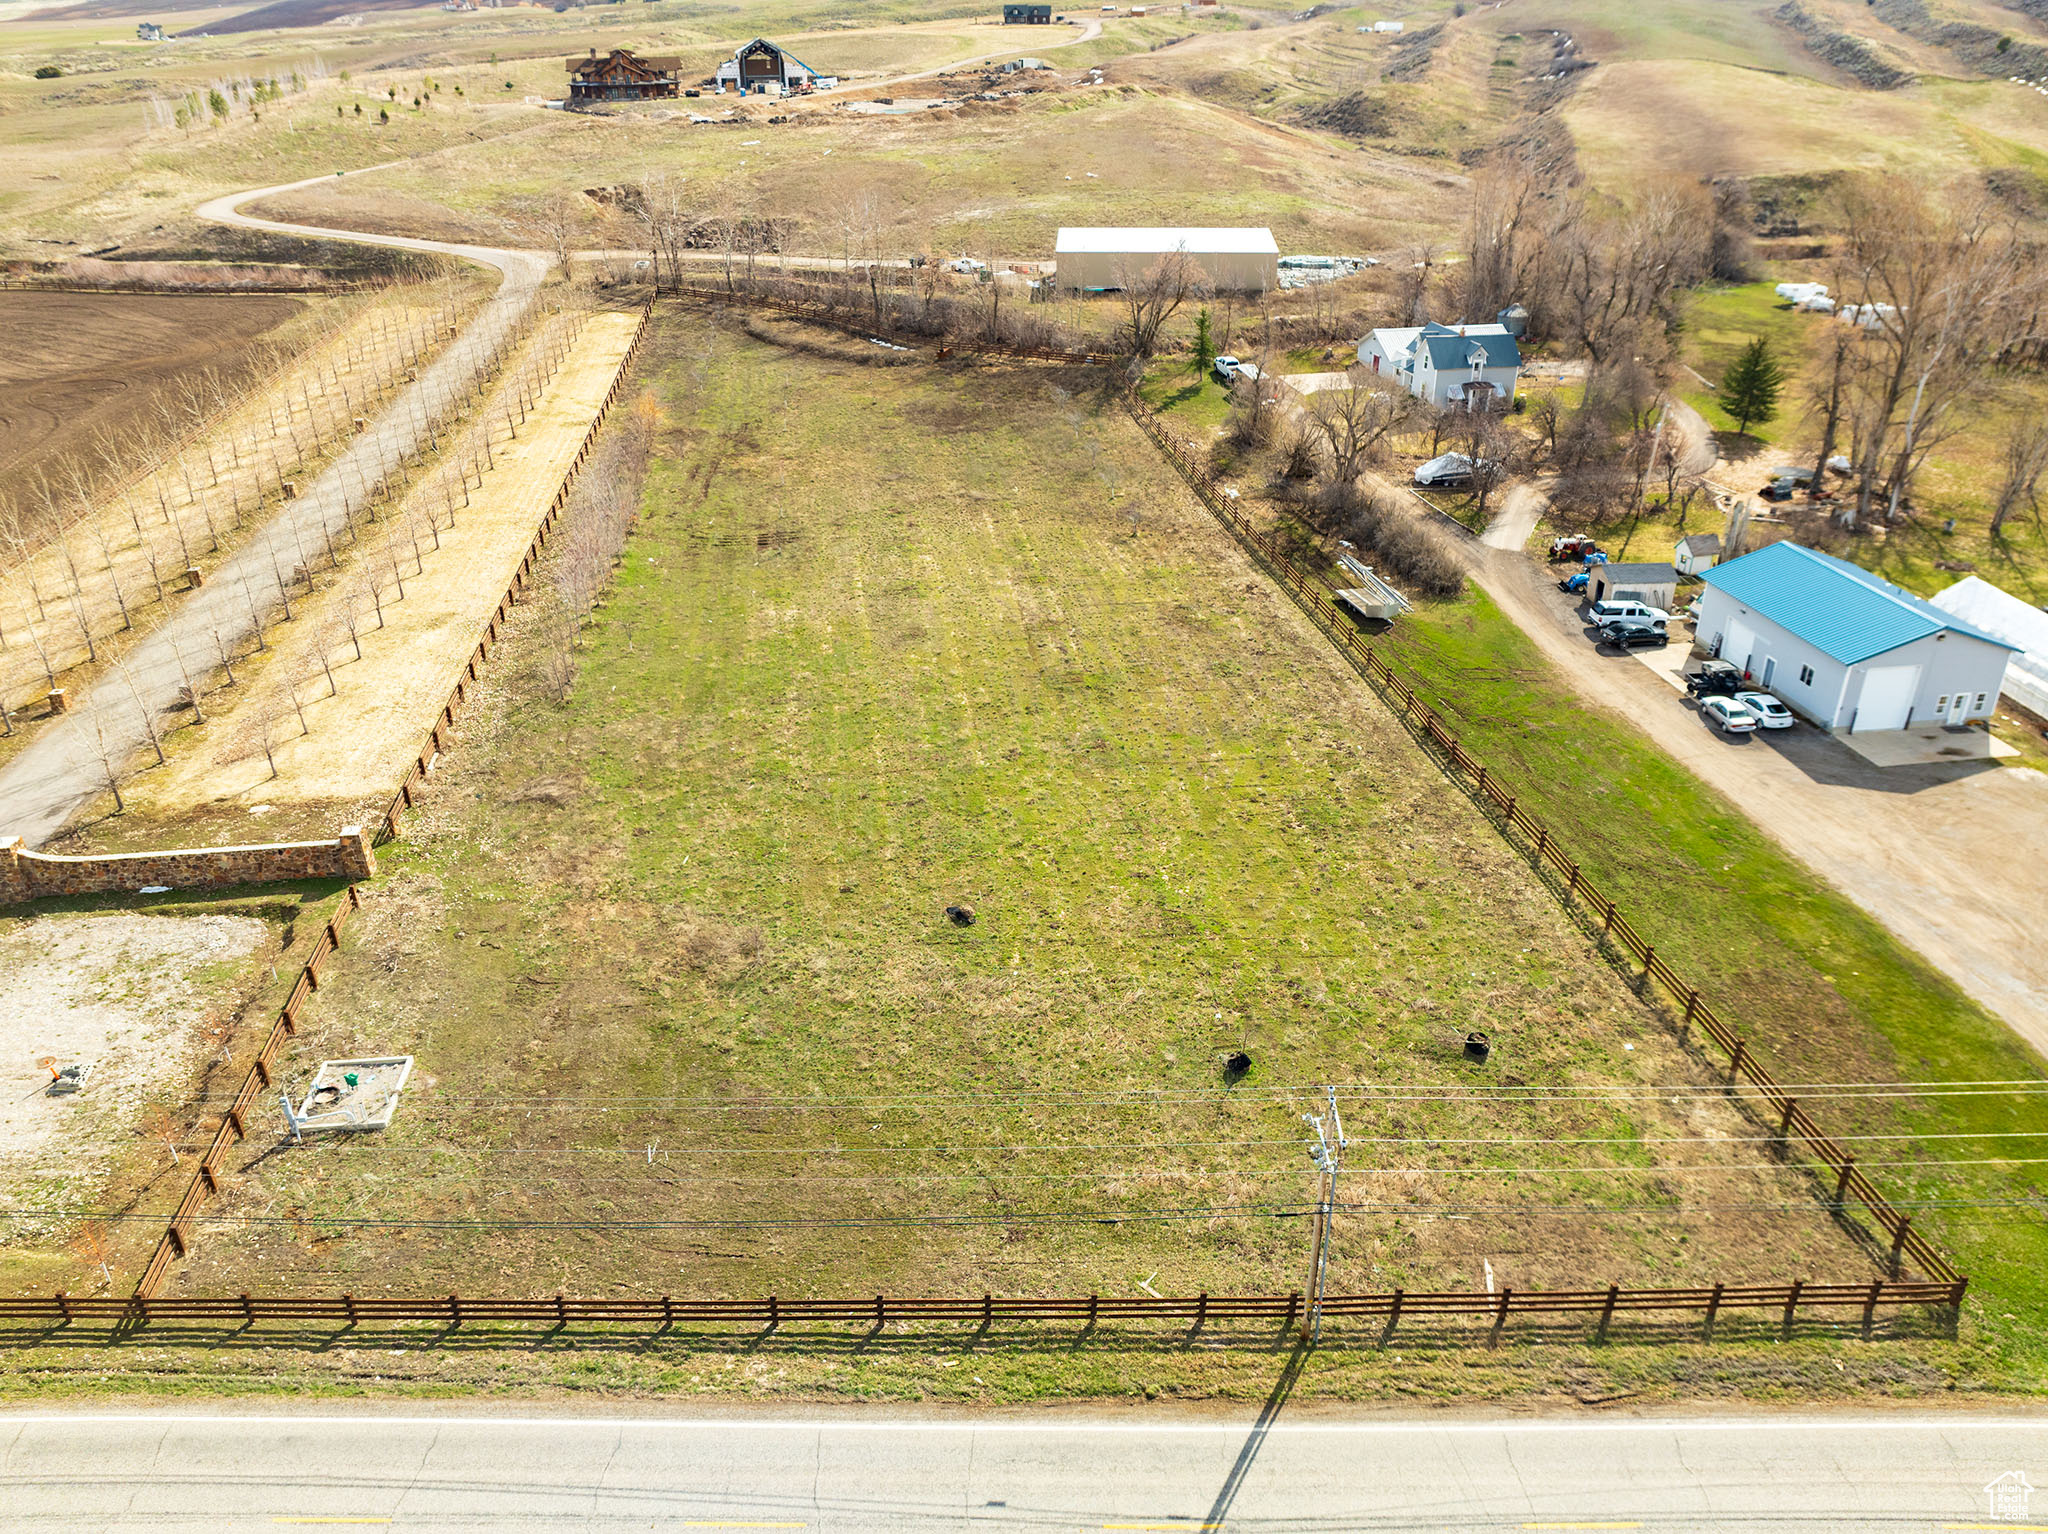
column 1887, row 695
column 1740, row 644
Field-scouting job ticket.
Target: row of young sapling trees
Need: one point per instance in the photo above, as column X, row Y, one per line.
column 390, row 527
column 97, row 540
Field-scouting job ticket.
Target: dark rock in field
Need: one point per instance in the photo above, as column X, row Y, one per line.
column 1236, row 1066
column 1477, row 1047
column 960, row 915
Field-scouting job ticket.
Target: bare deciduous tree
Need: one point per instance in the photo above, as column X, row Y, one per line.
column 1152, row 295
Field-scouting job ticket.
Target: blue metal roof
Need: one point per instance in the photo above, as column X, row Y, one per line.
column 1842, row 611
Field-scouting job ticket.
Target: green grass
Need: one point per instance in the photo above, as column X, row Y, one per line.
column 1822, row 991
column 890, row 639
column 1196, row 405
column 1720, row 322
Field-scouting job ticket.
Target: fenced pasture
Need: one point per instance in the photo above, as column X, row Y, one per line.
column 692, row 1018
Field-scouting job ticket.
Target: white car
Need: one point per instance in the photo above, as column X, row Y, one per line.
column 1770, row 713
column 1728, row 716
column 1634, row 614
column 1225, row 368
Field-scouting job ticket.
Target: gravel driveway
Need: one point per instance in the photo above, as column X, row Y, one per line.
column 1949, row 858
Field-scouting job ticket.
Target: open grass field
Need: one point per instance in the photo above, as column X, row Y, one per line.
column 1819, row 988
column 894, row 639
column 110, row 358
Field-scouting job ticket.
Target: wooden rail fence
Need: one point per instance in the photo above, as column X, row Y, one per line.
column 1944, row 1290
column 234, row 1124
column 458, row 696
column 233, row 1127
column 1390, row 1307
column 1794, row 1123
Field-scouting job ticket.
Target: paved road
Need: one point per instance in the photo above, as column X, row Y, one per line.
column 93, row 1475
column 61, row 769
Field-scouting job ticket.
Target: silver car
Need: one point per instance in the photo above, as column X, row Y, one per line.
column 1728, row 716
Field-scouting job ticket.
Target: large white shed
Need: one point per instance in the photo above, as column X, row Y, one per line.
column 1845, row 648
column 2004, row 616
column 1235, row 260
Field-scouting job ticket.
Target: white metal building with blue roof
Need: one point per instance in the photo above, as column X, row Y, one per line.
column 1845, row 648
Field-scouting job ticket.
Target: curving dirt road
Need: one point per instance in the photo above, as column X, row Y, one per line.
column 64, row 768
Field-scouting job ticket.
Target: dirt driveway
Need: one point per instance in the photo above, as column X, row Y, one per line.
column 1949, row 857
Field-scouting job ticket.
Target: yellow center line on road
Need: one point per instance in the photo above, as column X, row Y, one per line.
column 330, row 1520
column 1582, row 1526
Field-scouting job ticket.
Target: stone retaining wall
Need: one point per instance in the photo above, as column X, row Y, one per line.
column 26, row 875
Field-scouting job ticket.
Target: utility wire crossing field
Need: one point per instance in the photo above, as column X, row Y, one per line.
column 689, row 1015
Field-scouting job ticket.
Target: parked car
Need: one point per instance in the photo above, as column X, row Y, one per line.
column 1225, row 369
column 1623, row 637
column 1629, row 612
column 1770, row 713
column 1714, row 679
column 1728, row 716
column 1449, row 471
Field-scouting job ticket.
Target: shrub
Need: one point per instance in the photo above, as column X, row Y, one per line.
column 1405, row 549
column 49, row 72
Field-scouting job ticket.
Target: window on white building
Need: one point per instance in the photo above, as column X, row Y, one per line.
column 1806, row 676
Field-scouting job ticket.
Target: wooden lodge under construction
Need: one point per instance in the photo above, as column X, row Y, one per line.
column 622, row 75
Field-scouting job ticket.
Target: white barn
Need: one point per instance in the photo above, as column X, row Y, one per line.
column 1101, row 260
column 1845, row 648
column 2004, row 616
column 1461, row 365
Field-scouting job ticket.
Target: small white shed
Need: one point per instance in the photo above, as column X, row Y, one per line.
column 1696, row 552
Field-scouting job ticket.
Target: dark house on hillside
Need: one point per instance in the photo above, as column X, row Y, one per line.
column 762, row 68
column 1027, row 15
column 622, row 75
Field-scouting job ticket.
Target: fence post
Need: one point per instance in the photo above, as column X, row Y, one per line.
column 1785, row 1121
column 1870, row 1306
column 1899, row 1241
column 1792, row 1304
column 454, row 1311
column 1842, row 1182
column 1500, row 1318
column 1735, row 1059
column 1713, row 1310
column 1607, row 1312
column 1393, row 1317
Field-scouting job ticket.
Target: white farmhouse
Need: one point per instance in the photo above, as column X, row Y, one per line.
column 1448, row 365
column 1845, row 648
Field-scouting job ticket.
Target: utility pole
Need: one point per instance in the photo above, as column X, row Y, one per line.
column 1326, row 1150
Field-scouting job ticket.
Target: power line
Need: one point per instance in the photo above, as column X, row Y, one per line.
column 1089, row 1217
column 1149, row 1097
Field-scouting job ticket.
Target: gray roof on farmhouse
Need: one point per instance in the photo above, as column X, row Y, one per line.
column 1448, row 349
column 1637, row 575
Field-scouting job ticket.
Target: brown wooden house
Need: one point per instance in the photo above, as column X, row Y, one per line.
column 622, row 75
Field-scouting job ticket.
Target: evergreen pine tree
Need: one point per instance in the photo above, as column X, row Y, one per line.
column 1205, row 345
column 1749, row 389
